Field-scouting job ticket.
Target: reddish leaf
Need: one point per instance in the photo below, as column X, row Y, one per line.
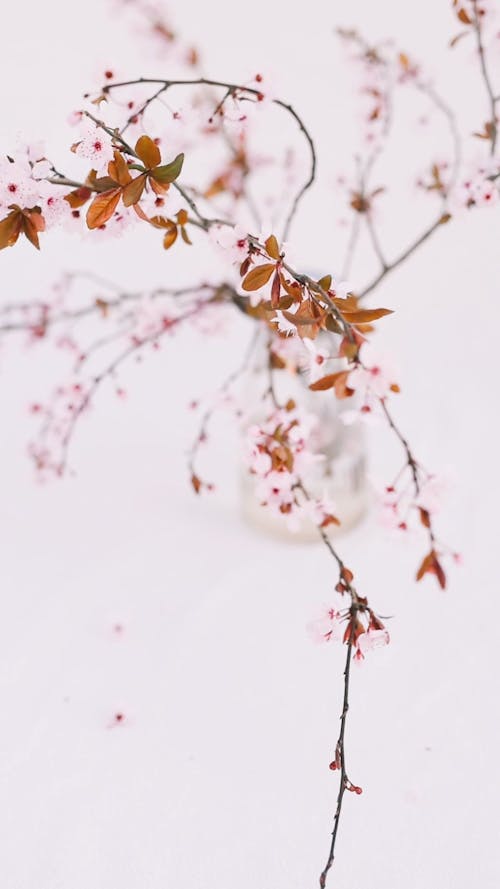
column 275, row 291
column 293, row 288
column 353, row 631
column 132, row 192
column 33, row 223
column 102, row 207
column 78, row 198
column 438, row 571
column 245, row 265
column 425, row 518
column 432, row 565
column 157, row 187
column 329, row 520
column 10, row 228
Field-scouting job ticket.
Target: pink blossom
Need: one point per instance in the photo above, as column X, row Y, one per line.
column 372, row 640
column 41, row 169
column 231, row 242
column 74, row 118
column 374, row 378
column 313, row 359
column 96, row 147
column 16, row 184
column 433, row 492
column 326, row 628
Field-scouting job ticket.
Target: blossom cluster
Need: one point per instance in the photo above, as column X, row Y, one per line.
column 280, row 455
column 338, row 625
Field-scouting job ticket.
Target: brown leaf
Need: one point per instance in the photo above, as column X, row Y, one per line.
column 337, row 381
column 196, row 483
column 161, row 222
column 132, row 193
column 432, row 565
column 118, row 169
column 170, row 237
column 100, row 183
column 348, row 348
column 78, row 198
column 276, row 362
column 148, row 152
column 425, row 518
column 275, row 291
column 441, row 576
column 10, row 228
column 454, row 40
column 363, row 316
column 272, row 247
column 258, row 276
column 329, row 520
column 157, row 187
column 102, row 208
column 332, row 324
column 426, row 565
column 245, row 265
column 140, row 213
column 185, row 236
column 293, row 288
column 324, row 383
column 464, row 17
column 33, row 223
column 353, row 631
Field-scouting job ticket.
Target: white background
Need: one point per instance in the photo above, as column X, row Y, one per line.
column 219, row 775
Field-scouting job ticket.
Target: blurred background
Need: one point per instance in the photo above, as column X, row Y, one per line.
column 124, row 594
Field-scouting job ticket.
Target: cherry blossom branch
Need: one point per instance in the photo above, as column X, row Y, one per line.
column 201, row 437
column 98, row 307
column 409, row 251
column 478, row 29
column 362, row 200
column 135, row 346
column 233, row 89
column 340, row 757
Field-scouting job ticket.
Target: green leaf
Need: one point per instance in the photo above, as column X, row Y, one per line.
column 168, row 172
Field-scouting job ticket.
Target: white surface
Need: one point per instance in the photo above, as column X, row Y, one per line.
column 218, row 776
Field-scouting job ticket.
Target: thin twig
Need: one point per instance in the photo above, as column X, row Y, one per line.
column 486, row 77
